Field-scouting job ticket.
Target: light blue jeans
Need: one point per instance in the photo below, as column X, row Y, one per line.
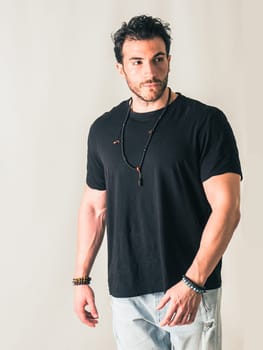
column 136, row 324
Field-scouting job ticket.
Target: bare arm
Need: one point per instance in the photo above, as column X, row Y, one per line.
column 223, row 194
column 91, row 227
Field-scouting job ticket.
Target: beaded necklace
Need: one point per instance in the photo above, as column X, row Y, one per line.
column 138, row 167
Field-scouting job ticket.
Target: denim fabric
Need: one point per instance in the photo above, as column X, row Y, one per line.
column 136, row 324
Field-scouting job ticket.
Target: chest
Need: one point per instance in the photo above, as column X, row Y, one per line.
column 170, row 144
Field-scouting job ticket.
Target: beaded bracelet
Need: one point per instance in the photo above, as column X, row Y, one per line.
column 81, row 281
column 198, row 289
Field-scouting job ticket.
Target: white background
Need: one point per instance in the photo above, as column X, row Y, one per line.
column 57, row 75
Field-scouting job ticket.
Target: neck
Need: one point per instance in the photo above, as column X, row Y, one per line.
column 140, row 106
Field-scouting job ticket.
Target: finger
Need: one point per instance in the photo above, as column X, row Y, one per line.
column 190, row 319
column 170, row 315
column 192, row 316
column 84, row 315
column 163, row 302
column 86, row 318
column 91, row 319
column 182, row 318
column 176, row 321
column 92, row 308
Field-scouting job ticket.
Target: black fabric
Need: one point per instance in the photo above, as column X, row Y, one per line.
column 154, row 231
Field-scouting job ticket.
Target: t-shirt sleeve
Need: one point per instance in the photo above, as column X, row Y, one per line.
column 95, row 170
column 218, row 148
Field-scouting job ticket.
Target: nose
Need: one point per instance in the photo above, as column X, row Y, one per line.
column 149, row 70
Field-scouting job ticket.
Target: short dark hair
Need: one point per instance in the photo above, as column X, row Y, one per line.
column 141, row 28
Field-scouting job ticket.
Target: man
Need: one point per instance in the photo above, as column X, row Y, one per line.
column 164, row 173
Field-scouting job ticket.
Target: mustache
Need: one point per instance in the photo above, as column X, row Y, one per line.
column 153, row 80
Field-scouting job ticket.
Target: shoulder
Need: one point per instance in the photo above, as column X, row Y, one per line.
column 198, row 116
column 201, row 111
column 109, row 118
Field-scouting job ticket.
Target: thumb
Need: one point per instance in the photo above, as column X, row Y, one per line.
column 92, row 308
column 163, row 301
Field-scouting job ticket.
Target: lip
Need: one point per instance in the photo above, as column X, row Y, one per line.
column 151, row 85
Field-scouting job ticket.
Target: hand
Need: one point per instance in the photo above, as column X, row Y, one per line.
column 183, row 305
column 84, row 298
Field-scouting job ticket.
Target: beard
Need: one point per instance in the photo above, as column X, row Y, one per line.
column 152, row 94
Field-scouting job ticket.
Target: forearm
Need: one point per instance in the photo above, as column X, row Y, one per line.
column 183, row 301
column 215, row 239
column 91, row 227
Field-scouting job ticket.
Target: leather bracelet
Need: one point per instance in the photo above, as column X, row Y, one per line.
column 198, row 289
column 81, row 281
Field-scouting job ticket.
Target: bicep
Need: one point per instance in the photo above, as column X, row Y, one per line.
column 94, row 199
column 223, row 191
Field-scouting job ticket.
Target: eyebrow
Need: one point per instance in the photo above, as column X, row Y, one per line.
column 160, row 53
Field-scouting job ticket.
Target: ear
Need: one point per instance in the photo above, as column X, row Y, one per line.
column 120, row 69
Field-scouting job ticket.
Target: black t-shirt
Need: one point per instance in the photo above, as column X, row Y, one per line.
column 154, row 231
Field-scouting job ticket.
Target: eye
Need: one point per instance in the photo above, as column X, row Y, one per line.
column 137, row 62
column 158, row 59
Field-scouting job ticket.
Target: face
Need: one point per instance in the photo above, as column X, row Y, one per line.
column 145, row 67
